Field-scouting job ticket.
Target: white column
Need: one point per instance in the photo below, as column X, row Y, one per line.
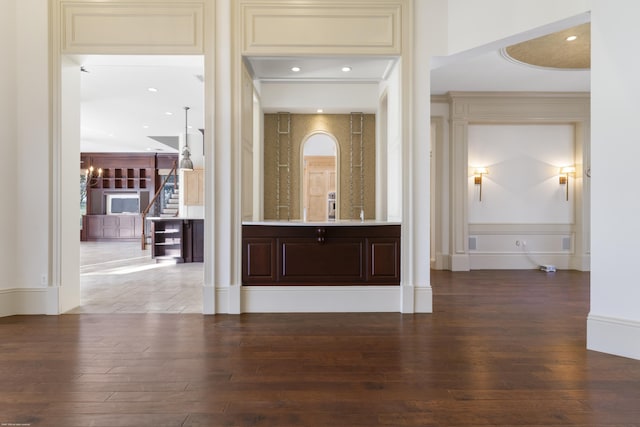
column 459, row 167
column 416, row 286
column 222, row 211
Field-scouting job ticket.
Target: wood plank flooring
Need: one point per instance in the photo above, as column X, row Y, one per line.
column 502, row 348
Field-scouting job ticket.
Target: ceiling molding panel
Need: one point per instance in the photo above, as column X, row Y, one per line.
column 133, row 28
column 520, row 107
column 321, row 28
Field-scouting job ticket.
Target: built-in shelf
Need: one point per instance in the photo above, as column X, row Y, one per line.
column 177, row 240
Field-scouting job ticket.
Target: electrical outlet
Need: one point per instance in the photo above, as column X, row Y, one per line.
column 43, row 279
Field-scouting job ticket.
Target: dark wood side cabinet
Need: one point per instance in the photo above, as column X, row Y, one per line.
column 177, row 240
column 112, row 227
column 321, row 255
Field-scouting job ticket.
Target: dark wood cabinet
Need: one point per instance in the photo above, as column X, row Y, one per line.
column 320, row 255
column 112, row 227
column 115, row 175
column 177, row 240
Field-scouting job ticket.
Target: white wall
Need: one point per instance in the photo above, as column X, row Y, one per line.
column 522, row 185
column 32, row 106
column 614, row 320
column 524, row 219
column 8, row 134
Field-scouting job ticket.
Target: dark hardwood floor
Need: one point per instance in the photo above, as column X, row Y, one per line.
column 502, row 348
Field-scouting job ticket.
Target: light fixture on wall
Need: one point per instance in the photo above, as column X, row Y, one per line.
column 564, row 177
column 186, row 163
column 92, row 176
column 477, row 179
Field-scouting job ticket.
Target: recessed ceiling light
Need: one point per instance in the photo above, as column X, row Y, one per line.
column 319, row 110
column 346, row 69
column 295, row 69
column 145, row 126
column 169, row 113
column 152, row 89
column 571, row 38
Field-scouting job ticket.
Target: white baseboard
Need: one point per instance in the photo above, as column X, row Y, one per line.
column 479, row 261
column 614, row 336
column 257, row 299
column 423, row 300
column 20, row 301
column 582, row 263
column 441, row 262
column 460, row 262
column 209, row 300
column 320, row 299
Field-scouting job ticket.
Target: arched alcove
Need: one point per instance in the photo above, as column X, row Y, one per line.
column 320, row 182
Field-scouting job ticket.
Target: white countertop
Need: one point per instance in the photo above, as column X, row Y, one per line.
column 336, row 223
column 169, row 218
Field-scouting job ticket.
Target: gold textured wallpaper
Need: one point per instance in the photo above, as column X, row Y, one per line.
column 301, row 127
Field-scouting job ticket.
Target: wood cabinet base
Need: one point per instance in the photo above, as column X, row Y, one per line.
column 318, row 255
column 111, row 227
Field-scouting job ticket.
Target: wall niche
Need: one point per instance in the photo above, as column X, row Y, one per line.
column 293, row 130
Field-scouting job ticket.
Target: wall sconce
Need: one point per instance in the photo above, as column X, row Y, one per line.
column 564, row 177
column 90, row 177
column 477, row 179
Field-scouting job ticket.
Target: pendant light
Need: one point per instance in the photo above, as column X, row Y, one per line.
column 186, row 163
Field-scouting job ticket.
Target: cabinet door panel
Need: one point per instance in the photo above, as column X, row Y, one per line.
column 193, row 187
column 335, row 260
column 384, row 260
column 94, row 227
column 260, row 260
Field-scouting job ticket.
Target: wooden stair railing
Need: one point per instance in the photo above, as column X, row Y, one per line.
column 174, row 172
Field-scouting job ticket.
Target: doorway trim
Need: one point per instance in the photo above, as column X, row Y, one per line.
column 86, row 27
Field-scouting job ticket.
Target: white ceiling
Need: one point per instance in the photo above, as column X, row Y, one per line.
column 116, row 103
column 119, row 113
column 492, row 71
column 362, row 69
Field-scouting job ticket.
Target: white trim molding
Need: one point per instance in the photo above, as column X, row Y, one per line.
column 21, row 301
column 614, row 336
column 521, row 246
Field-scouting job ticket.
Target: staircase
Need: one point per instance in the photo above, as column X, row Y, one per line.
column 172, row 207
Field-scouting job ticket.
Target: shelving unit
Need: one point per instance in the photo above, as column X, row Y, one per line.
column 167, row 241
column 124, row 178
column 130, row 173
column 177, row 240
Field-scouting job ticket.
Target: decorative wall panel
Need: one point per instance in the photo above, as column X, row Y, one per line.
column 135, row 27
column 331, row 29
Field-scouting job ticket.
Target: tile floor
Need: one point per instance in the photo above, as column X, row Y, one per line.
column 120, row 277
